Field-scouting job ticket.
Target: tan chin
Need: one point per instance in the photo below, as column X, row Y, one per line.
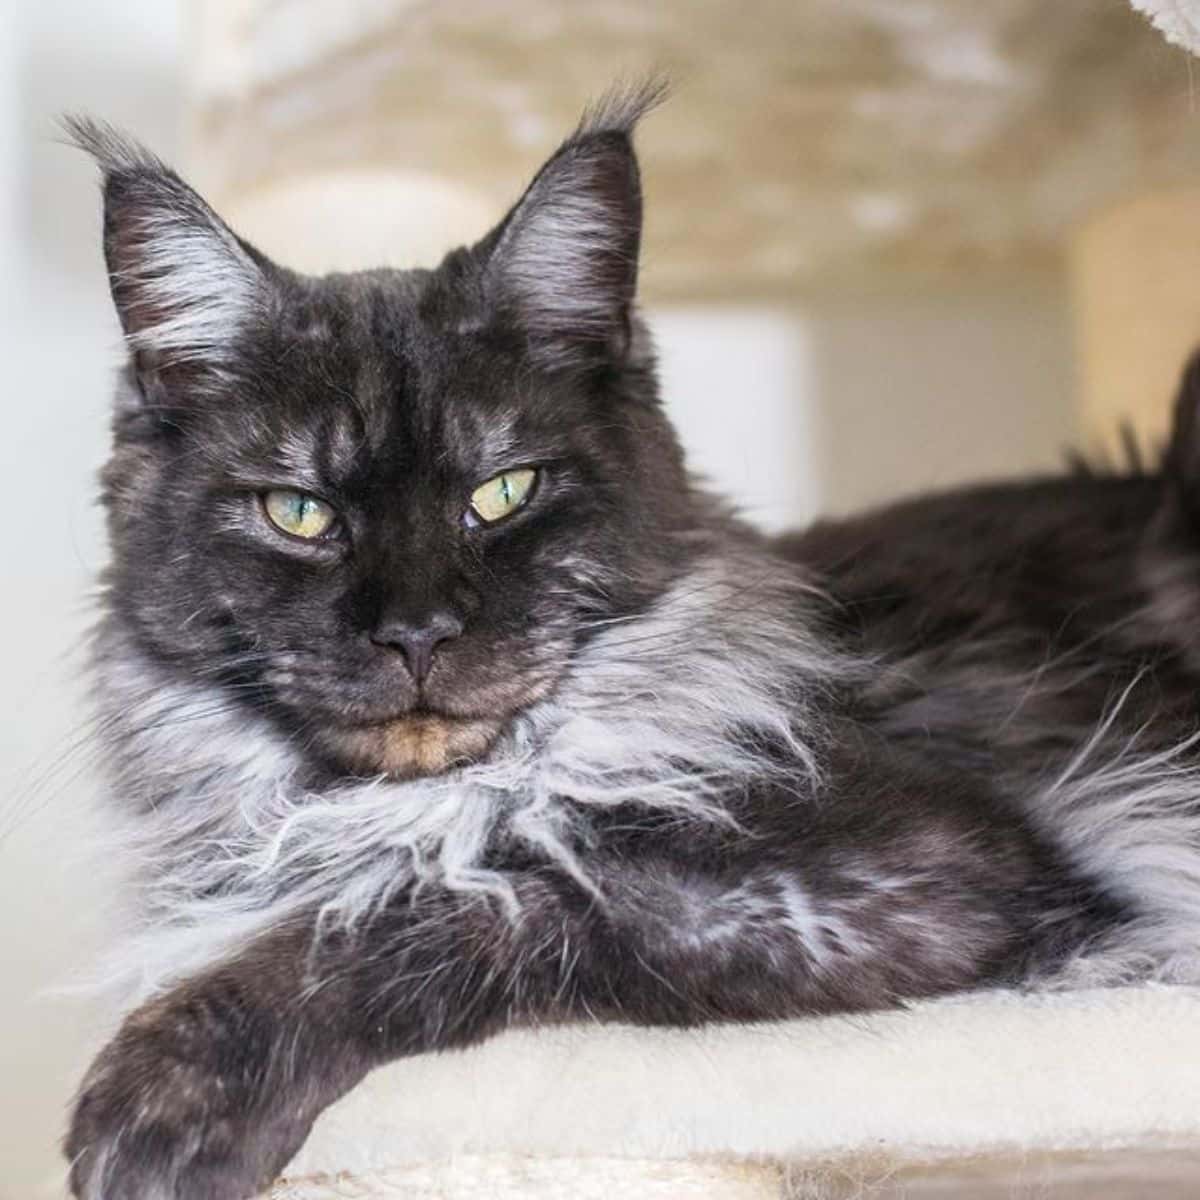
column 411, row 746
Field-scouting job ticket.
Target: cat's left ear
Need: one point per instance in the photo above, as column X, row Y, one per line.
column 184, row 286
column 562, row 266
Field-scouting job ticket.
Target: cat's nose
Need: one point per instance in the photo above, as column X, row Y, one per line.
column 417, row 640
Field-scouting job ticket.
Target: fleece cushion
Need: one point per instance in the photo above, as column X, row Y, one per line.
column 1083, row 1078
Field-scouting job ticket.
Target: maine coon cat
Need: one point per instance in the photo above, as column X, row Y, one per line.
column 437, row 697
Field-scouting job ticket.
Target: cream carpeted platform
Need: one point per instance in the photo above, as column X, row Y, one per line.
column 1092, row 1094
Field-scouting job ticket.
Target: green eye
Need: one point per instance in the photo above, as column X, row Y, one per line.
column 299, row 514
column 502, row 495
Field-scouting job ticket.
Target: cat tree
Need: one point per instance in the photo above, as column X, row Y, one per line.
column 836, row 144
column 1088, row 1089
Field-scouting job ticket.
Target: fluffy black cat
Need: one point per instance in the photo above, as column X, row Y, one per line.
column 438, row 698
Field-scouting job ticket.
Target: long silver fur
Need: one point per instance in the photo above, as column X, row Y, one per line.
column 225, row 843
column 1130, row 818
column 655, row 710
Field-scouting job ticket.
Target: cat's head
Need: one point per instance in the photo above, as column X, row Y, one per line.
column 386, row 508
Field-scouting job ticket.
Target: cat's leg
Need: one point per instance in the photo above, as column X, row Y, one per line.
column 206, row 1092
column 202, row 1094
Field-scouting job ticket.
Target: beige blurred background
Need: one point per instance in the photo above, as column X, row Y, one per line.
column 891, row 245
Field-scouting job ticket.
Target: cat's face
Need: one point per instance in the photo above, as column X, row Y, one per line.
column 385, row 509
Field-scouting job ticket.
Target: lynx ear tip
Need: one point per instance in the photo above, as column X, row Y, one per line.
column 114, row 152
column 623, row 105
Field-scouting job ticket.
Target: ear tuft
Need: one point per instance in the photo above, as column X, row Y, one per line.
column 184, row 286
column 623, row 105
column 563, row 264
column 115, row 152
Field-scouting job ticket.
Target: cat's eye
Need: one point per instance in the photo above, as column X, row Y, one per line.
column 298, row 513
column 502, row 495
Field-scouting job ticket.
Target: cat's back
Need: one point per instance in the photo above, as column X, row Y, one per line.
column 1053, row 558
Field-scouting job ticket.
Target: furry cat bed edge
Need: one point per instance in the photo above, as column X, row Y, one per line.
column 983, row 1074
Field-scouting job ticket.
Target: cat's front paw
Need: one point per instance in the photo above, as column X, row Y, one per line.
column 167, row 1113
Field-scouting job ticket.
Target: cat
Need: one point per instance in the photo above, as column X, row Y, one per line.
column 436, row 697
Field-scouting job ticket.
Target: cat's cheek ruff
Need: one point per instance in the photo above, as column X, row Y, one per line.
column 675, row 711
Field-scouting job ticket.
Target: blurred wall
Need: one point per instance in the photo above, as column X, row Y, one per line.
column 1133, row 269
column 927, row 389
column 60, row 345
column 836, row 403
column 794, row 408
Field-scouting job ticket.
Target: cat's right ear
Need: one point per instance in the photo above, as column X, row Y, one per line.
column 184, row 285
